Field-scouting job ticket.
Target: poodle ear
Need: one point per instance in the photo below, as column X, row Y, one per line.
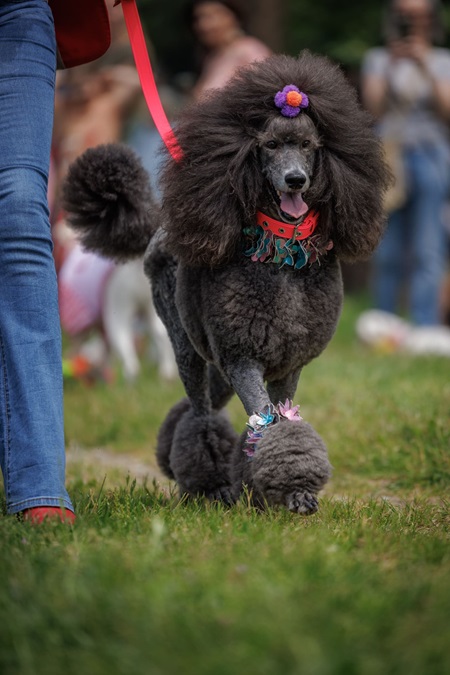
column 209, row 196
column 355, row 210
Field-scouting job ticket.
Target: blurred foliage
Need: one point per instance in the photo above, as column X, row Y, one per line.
column 342, row 31
column 343, row 34
column 168, row 31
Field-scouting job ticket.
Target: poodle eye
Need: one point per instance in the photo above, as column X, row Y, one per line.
column 271, row 145
column 306, row 143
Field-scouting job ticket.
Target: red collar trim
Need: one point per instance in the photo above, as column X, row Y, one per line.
column 287, row 231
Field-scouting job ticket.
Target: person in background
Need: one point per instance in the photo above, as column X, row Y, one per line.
column 406, row 86
column 219, row 28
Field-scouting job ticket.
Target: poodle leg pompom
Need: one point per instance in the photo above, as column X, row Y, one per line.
column 200, row 455
column 166, row 434
column 289, row 467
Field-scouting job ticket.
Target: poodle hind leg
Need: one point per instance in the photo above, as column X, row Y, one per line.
column 220, row 390
column 195, row 443
column 161, row 268
column 203, row 466
column 167, row 367
column 166, row 433
column 200, row 455
column 203, row 438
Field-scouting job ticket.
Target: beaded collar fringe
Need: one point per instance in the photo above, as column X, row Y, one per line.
column 259, row 422
column 285, row 244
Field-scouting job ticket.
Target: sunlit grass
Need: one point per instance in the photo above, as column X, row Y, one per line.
column 147, row 585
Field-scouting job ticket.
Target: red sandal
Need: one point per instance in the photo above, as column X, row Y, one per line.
column 38, row 514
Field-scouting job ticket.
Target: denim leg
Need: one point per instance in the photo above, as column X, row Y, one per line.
column 430, row 174
column 389, row 264
column 31, row 395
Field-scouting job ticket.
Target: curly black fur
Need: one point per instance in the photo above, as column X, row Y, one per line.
column 213, row 192
column 238, row 324
column 109, row 202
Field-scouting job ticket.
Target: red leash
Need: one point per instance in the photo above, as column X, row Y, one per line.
column 148, row 84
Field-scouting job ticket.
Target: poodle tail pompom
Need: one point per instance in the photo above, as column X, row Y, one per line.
column 109, row 202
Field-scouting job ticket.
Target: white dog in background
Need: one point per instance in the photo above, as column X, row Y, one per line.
column 116, row 299
column 127, row 297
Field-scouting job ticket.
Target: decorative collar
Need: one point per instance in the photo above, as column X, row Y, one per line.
column 286, row 230
column 273, row 241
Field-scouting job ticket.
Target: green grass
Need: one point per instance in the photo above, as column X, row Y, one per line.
column 144, row 584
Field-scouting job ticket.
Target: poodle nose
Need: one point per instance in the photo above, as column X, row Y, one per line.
column 295, row 180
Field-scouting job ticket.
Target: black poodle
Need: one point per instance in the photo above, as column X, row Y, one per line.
column 281, row 177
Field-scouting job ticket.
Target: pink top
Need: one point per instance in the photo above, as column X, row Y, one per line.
column 221, row 66
column 82, row 280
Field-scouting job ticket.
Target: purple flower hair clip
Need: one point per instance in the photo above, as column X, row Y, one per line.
column 291, row 100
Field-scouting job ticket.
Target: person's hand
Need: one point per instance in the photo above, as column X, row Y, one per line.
column 412, row 47
column 397, row 49
column 417, row 49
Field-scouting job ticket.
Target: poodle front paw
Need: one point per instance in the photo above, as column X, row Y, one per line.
column 221, row 494
column 302, row 502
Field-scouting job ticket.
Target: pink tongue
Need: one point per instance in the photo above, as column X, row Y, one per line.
column 292, row 203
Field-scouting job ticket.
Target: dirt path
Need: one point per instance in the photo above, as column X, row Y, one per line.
column 95, row 463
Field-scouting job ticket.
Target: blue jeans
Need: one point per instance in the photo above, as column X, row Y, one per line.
column 32, row 454
column 414, row 247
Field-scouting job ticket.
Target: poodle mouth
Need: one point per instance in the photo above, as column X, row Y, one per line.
column 290, row 204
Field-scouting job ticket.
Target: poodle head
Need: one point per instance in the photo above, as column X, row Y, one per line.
column 243, row 153
column 287, row 151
